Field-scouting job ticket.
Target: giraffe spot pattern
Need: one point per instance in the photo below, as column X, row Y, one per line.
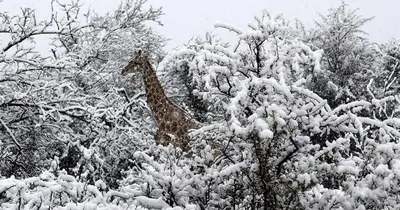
column 173, row 125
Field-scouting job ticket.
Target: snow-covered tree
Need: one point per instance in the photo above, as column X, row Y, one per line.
column 387, row 81
column 72, row 104
column 349, row 59
column 182, row 83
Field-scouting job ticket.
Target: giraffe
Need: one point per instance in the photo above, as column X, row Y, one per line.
column 173, row 123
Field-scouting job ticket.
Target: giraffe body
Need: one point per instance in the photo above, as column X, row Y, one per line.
column 173, row 123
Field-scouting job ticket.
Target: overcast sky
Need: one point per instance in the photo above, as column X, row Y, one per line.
column 184, row 19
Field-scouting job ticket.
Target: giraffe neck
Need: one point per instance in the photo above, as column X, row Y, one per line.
column 156, row 98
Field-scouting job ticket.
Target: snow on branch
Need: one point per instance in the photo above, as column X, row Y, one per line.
column 228, row 27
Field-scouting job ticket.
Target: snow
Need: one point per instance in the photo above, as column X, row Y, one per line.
column 232, row 169
column 304, row 179
column 151, row 202
column 348, row 167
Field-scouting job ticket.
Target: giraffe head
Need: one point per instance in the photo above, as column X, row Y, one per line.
column 137, row 64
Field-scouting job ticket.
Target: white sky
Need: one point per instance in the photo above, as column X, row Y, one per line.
column 184, row 19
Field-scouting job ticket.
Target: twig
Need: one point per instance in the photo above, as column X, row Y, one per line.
column 11, row 134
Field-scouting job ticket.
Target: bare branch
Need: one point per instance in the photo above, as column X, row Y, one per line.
column 11, row 134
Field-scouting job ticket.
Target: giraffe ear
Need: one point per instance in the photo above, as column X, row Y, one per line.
column 138, row 53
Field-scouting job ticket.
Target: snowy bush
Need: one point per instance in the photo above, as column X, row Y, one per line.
column 62, row 191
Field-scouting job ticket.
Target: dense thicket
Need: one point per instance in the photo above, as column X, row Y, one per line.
column 290, row 117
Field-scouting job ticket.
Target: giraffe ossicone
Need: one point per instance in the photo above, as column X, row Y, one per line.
column 173, row 123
